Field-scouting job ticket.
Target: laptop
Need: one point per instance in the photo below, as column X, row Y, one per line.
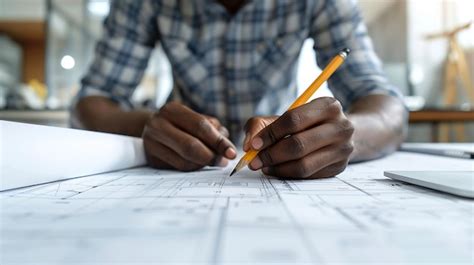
column 459, row 183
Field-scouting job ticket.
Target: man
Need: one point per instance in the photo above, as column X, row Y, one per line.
column 233, row 65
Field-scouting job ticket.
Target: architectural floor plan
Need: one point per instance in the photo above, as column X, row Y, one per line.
column 148, row 216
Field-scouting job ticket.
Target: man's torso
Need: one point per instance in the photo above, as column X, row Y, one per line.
column 233, row 66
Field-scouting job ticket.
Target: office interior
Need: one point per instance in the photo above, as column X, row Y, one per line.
column 81, row 197
column 47, row 45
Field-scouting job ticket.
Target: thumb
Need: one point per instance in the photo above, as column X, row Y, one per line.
column 253, row 126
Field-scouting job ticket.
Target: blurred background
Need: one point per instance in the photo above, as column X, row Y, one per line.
column 427, row 47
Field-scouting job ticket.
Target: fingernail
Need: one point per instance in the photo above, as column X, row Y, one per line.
column 257, row 143
column 256, row 164
column 230, row 153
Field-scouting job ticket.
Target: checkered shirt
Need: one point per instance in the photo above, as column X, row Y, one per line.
column 236, row 66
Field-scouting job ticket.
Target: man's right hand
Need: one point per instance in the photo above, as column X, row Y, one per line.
column 177, row 137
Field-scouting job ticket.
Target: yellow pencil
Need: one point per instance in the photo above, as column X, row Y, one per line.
column 323, row 77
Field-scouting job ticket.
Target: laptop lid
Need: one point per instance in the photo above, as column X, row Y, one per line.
column 460, row 183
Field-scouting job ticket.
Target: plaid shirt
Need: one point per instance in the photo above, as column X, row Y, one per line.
column 236, row 66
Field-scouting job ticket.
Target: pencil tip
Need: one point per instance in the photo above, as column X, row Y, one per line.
column 232, row 173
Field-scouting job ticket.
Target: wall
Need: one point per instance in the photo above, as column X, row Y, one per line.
column 22, row 20
column 398, row 33
column 389, row 28
column 22, row 9
column 30, row 36
column 430, row 56
column 427, row 56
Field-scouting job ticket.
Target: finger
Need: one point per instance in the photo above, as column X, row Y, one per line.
column 216, row 123
column 331, row 170
column 200, row 127
column 154, row 161
column 220, row 161
column 253, row 126
column 161, row 156
column 301, row 144
column 213, row 120
column 223, row 130
column 187, row 146
column 310, row 164
column 297, row 120
column 246, row 145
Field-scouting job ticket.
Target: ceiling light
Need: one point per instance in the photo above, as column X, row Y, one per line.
column 98, row 7
column 68, row 62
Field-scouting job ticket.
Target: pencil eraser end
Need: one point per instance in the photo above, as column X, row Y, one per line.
column 346, row 50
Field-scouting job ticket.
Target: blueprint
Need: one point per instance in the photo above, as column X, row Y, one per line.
column 148, row 216
column 34, row 154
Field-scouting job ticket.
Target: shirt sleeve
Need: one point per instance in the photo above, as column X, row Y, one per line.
column 121, row 55
column 338, row 24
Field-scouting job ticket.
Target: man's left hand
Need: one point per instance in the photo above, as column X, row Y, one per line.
column 311, row 141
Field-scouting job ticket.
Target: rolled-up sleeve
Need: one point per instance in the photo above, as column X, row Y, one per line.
column 338, row 24
column 121, row 55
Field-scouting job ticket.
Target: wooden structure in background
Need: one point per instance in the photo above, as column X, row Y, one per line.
column 30, row 35
column 436, row 117
column 456, row 67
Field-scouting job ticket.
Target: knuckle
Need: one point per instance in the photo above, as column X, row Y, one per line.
column 220, row 143
column 304, row 168
column 266, row 158
column 297, row 144
column 331, row 170
column 334, row 107
column 338, row 168
column 325, row 101
column 155, row 121
column 252, row 122
column 347, row 148
column 203, row 126
column 170, row 108
column 346, row 127
column 151, row 134
column 293, row 120
column 223, row 130
column 270, row 132
column 190, row 146
column 215, row 121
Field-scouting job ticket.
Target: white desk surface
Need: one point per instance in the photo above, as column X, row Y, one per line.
column 146, row 216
